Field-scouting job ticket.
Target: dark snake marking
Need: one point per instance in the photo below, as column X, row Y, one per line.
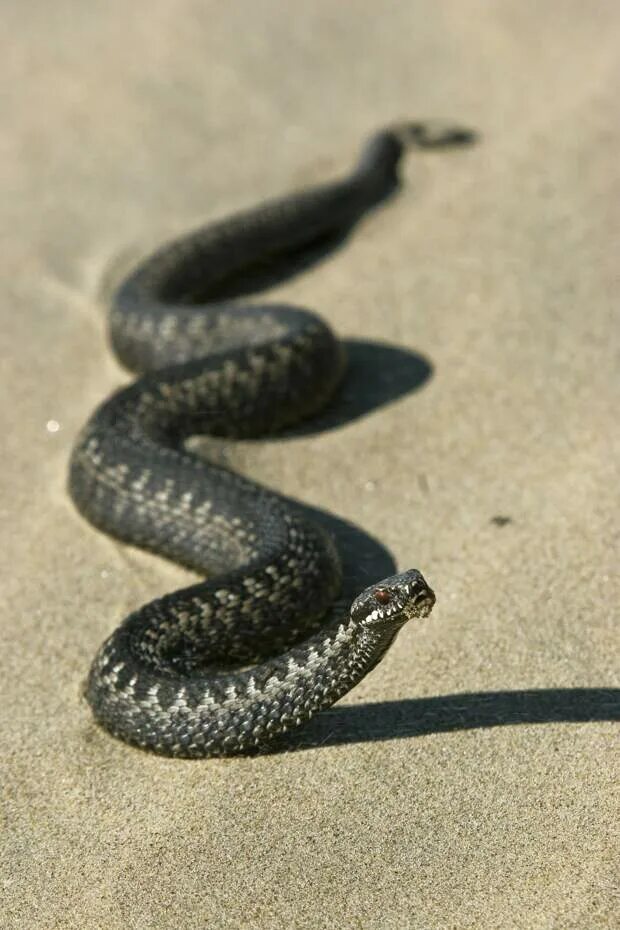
column 222, row 667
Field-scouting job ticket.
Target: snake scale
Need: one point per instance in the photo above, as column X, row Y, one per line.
column 227, row 665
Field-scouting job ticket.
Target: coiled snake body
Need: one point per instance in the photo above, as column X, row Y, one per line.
column 210, row 669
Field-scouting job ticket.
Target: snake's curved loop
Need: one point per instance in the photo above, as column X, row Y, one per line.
column 226, row 665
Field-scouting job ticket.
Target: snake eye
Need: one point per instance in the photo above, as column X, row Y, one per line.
column 383, row 596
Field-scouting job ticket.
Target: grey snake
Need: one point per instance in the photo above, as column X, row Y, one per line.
column 231, row 663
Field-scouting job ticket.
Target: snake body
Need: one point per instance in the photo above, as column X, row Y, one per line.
column 228, row 664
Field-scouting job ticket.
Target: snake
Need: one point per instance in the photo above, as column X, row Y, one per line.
column 263, row 642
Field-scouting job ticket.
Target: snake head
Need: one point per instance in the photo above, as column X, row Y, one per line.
column 393, row 601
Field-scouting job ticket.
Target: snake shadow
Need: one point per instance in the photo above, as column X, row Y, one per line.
column 411, row 717
column 277, row 267
column 377, row 374
column 364, row 558
column 274, row 268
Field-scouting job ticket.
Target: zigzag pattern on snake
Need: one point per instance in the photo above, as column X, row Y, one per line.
column 228, row 664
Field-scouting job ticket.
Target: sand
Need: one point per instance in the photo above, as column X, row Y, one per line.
column 468, row 782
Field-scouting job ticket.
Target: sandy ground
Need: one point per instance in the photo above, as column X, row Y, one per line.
column 469, row 781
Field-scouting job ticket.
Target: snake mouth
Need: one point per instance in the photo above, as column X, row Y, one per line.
column 417, row 608
column 424, row 604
